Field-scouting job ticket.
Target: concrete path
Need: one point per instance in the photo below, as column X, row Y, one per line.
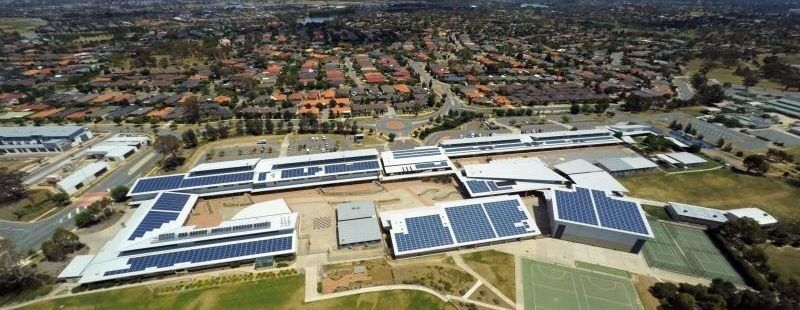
column 519, row 282
column 463, row 265
column 698, row 170
column 285, row 145
column 381, row 288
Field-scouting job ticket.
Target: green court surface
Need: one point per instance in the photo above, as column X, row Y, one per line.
column 554, row 287
column 603, row 269
column 687, row 250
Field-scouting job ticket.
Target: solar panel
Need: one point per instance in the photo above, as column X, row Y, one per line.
column 506, row 217
column 576, row 206
column 478, row 186
column 618, row 214
column 262, row 176
column 300, row 172
column 158, row 184
column 350, row 167
column 206, row 254
column 171, row 202
column 423, row 232
column 469, row 223
column 152, row 221
column 416, row 153
column 218, row 179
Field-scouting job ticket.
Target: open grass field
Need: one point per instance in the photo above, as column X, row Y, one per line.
column 687, row 250
column 14, row 165
column 21, row 25
column 784, row 261
column 724, row 75
column 280, row 293
column 549, row 287
column 496, row 267
column 720, row 189
column 657, row 212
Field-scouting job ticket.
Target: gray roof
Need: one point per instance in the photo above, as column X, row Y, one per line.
column 702, row 213
column 45, row 131
column 577, row 166
column 359, row 230
column 355, row 210
column 626, row 163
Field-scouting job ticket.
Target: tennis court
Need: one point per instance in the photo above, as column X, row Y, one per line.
column 687, row 250
column 554, row 287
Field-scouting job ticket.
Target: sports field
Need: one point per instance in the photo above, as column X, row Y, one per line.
column 554, row 287
column 687, row 250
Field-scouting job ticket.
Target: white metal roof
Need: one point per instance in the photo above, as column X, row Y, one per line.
column 598, row 180
column 43, row 131
column 225, row 165
column 667, row 159
column 577, row 166
column 686, row 158
column 762, row 217
column 698, row 212
column 264, row 208
column 355, row 210
column 82, row 174
column 525, row 169
column 76, row 266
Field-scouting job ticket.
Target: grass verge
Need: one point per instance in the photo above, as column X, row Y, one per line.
column 496, row 267
column 784, row 261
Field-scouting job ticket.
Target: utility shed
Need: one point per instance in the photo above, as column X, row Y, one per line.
column 82, row 177
column 695, row 214
column 357, row 224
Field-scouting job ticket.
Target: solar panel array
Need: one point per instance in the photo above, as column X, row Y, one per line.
column 205, row 254
column 416, row 152
column 585, row 206
column 178, row 181
column 430, row 165
column 171, row 202
column 158, row 183
column 300, row 172
column 262, row 176
column 153, row 220
column 218, row 179
column 423, row 232
column 469, row 223
column 349, row 167
column 618, row 214
column 576, row 206
column 478, row 186
column 506, row 216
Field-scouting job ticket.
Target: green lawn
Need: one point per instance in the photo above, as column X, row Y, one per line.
column 720, row 188
column 784, row 261
column 724, row 75
column 496, row 267
column 280, row 293
column 657, row 212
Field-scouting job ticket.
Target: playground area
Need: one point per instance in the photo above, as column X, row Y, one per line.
column 687, row 250
column 549, row 287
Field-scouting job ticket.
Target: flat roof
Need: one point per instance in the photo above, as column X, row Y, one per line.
column 615, row 164
column 226, row 165
column 762, row 217
column 358, row 230
column 577, row 166
column 598, row 180
column 525, row 169
column 698, row 212
column 686, row 158
column 355, row 210
column 44, row 131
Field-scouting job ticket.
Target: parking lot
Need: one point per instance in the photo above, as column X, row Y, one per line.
column 314, row 144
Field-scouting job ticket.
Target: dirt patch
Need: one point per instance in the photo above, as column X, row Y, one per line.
column 642, row 285
column 435, row 273
column 395, row 125
column 483, row 294
column 205, row 214
column 354, row 275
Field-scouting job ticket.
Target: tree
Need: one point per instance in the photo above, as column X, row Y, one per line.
column 210, row 132
column 758, row 163
column 750, row 80
column 11, row 186
column 167, row 145
column 15, row 276
column 63, row 243
column 392, row 135
column 698, row 80
column 119, row 193
column 60, row 199
column 189, row 138
column 574, row 108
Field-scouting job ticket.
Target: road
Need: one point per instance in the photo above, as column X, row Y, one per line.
column 30, row 235
column 351, row 72
column 685, row 90
column 56, row 162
